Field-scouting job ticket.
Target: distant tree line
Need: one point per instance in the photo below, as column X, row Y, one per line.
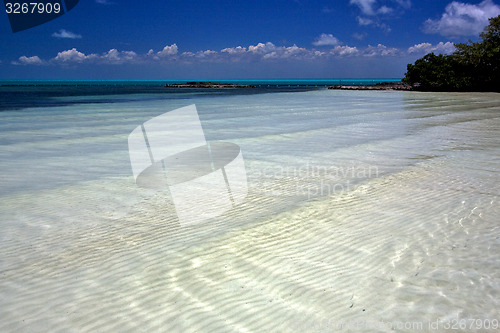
column 472, row 67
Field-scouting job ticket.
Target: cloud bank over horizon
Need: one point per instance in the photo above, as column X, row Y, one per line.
column 298, row 38
column 330, row 47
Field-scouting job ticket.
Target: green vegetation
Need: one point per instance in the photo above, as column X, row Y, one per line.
column 472, row 67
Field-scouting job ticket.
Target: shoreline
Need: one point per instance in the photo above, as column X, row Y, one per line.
column 221, row 85
column 209, row 85
column 378, row 86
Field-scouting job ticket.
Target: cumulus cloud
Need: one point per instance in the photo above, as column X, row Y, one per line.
column 23, row 60
column 326, row 39
column 288, row 52
column 205, row 54
column 380, row 50
column 66, row 34
column 235, row 50
column 270, row 51
column 462, row 19
column 424, row 48
column 187, row 54
column 344, row 50
column 114, row 56
column 262, row 48
column 168, row 50
column 200, row 56
column 72, row 56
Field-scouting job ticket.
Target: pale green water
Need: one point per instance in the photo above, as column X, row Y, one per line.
column 374, row 206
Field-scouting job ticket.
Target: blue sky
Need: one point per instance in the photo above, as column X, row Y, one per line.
column 124, row 39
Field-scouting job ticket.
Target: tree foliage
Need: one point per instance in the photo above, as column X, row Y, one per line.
column 472, row 67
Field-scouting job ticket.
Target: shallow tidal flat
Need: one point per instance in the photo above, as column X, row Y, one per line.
column 375, row 208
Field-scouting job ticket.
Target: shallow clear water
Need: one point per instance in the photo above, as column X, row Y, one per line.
column 363, row 207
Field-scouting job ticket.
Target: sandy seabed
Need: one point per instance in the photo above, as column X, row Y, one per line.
column 366, row 212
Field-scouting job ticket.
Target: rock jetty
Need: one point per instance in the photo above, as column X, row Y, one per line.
column 378, row 86
column 211, row 85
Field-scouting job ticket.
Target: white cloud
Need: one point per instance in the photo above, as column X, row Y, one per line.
column 270, row 51
column 283, row 52
column 206, row 53
column 366, row 6
column 235, row 50
column 114, row 56
column 462, row 19
column 262, row 48
column 168, row 50
column 326, row 39
column 66, row 34
column 424, row 48
column 103, row 2
column 344, row 50
column 380, row 50
column 129, row 55
column 420, row 48
column 73, row 55
column 294, row 51
column 23, row 60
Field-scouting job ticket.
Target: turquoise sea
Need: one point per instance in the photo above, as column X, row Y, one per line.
column 34, row 93
column 367, row 211
column 285, row 82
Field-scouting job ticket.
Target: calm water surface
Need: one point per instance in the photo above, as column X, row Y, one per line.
column 363, row 207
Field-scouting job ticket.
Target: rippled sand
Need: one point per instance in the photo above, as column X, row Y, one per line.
column 364, row 207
